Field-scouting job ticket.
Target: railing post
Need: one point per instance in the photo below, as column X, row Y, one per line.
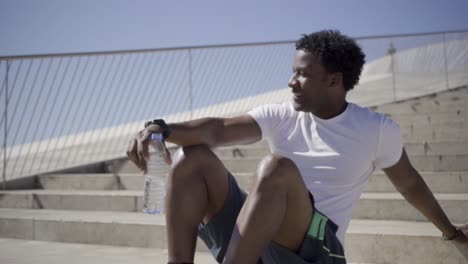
column 446, row 62
column 190, row 82
column 391, row 51
column 5, row 134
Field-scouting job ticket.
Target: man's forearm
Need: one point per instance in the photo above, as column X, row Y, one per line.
column 194, row 132
column 420, row 196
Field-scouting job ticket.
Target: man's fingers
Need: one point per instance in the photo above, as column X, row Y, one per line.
column 464, row 229
column 167, row 157
column 138, row 149
column 141, row 157
column 132, row 152
column 145, row 150
column 145, row 141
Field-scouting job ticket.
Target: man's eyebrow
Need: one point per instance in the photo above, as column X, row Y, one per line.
column 299, row 68
column 302, row 68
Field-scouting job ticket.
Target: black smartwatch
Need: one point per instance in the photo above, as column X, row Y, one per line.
column 160, row 122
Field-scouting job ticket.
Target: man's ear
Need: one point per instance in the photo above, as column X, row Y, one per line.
column 335, row 79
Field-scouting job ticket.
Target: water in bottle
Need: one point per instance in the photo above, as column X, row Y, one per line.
column 155, row 179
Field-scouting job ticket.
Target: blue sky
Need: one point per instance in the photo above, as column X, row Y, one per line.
column 60, row 26
column 126, row 93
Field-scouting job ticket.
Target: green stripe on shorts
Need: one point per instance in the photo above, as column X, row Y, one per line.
column 317, row 226
column 322, row 227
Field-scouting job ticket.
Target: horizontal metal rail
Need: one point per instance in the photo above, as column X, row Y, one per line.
column 247, row 44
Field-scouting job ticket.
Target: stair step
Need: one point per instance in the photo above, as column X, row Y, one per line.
column 437, row 148
column 420, row 162
column 400, row 242
column 418, row 152
column 393, row 206
column 429, row 148
column 433, row 133
column 17, row 251
column 440, row 162
column 91, row 181
column 128, row 229
column 441, row 182
column 423, row 107
column 440, row 118
column 390, row 206
column 97, row 200
column 373, row 241
column 454, row 99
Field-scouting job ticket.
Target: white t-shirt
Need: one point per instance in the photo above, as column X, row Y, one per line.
column 335, row 156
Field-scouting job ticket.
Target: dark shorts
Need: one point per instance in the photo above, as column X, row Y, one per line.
column 320, row 245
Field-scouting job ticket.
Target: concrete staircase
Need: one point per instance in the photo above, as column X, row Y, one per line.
column 97, row 217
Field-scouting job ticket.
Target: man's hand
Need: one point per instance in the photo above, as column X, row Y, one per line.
column 461, row 241
column 463, row 237
column 138, row 150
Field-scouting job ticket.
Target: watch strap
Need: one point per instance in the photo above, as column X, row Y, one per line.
column 160, row 122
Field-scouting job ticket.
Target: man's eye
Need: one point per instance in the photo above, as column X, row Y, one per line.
column 299, row 72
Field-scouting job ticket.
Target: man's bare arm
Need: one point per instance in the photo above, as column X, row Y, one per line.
column 412, row 186
column 209, row 131
column 216, row 131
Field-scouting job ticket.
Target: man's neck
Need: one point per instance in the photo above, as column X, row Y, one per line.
column 332, row 112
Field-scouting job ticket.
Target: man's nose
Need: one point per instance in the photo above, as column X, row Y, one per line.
column 293, row 82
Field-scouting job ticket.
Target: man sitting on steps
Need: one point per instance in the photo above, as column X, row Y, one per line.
column 323, row 151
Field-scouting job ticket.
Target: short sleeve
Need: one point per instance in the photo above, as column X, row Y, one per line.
column 269, row 117
column 390, row 144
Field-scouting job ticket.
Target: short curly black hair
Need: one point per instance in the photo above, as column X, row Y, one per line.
column 336, row 52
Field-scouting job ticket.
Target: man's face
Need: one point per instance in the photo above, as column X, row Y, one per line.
column 308, row 83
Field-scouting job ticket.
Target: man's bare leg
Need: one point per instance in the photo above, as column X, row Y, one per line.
column 277, row 209
column 197, row 187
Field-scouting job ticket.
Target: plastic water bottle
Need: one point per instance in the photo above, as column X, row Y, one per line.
column 155, row 179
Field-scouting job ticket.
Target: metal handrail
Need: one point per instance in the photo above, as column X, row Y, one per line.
column 246, row 44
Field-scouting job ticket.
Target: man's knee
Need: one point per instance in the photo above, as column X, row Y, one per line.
column 197, row 159
column 199, row 166
column 194, row 154
column 276, row 171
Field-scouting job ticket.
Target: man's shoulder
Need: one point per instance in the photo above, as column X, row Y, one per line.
column 275, row 109
column 367, row 119
column 367, row 113
column 282, row 105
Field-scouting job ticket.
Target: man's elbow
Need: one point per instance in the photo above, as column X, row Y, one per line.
column 217, row 133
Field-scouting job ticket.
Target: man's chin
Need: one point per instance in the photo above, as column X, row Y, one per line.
column 297, row 106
